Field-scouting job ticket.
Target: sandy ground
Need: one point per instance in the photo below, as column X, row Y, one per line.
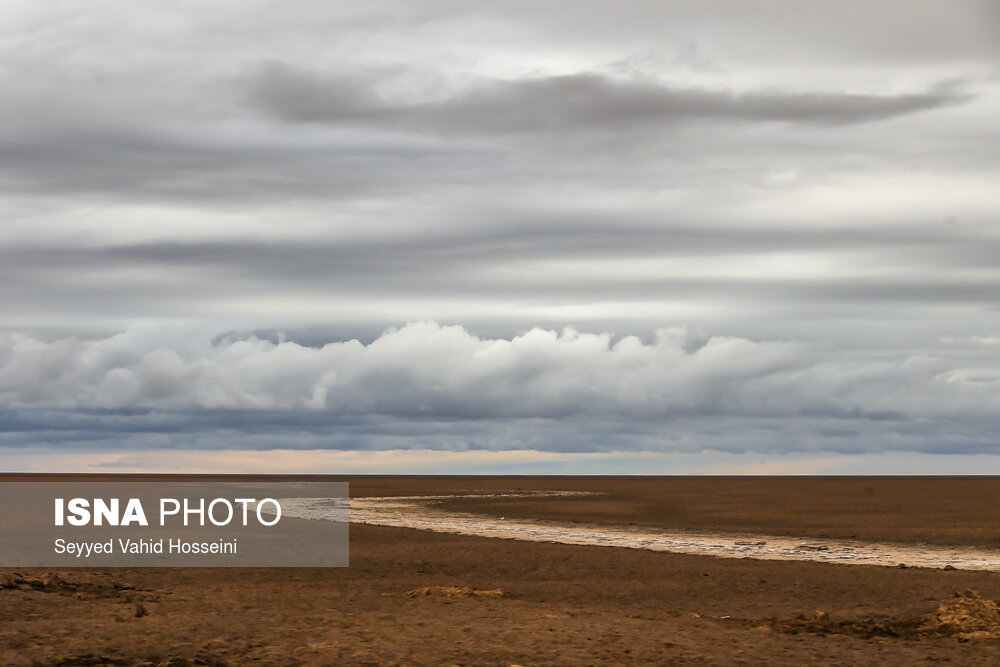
column 936, row 510
column 545, row 603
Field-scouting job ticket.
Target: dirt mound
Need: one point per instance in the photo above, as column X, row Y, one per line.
column 965, row 616
column 455, row 592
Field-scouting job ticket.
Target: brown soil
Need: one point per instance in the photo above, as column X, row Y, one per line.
column 84, row 584
column 561, row 604
column 934, row 510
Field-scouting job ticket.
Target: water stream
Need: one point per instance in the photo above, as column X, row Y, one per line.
column 423, row 512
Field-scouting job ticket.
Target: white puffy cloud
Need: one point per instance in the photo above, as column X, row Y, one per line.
column 425, row 370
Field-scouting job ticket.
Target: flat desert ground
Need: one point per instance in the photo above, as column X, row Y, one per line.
column 413, row 597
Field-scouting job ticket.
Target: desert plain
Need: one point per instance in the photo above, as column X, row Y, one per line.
column 415, row 597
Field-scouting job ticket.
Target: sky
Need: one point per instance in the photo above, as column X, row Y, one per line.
column 413, row 236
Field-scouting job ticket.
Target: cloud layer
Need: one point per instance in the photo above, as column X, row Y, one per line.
column 646, row 394
column 214, row 218
column 566, row 104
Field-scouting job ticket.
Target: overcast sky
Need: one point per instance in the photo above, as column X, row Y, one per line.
column 496, row 234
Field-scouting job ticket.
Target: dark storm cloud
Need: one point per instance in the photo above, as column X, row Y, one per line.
column 569, row 103
column 235, row 431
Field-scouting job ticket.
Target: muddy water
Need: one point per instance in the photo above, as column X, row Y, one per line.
column 422, row 512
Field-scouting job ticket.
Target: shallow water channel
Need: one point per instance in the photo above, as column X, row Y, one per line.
column 423, row 513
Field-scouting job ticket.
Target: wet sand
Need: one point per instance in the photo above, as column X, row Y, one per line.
column 561, row 604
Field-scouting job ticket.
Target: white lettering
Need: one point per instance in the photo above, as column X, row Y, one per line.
column 163, row 509
column 78, row 509
column 134, row 513
column 277, row 511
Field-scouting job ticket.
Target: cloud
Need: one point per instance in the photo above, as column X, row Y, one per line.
column 579, row 266
column 443, row 387
column 567, row 104
column 420, row 370
column 316, row 173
